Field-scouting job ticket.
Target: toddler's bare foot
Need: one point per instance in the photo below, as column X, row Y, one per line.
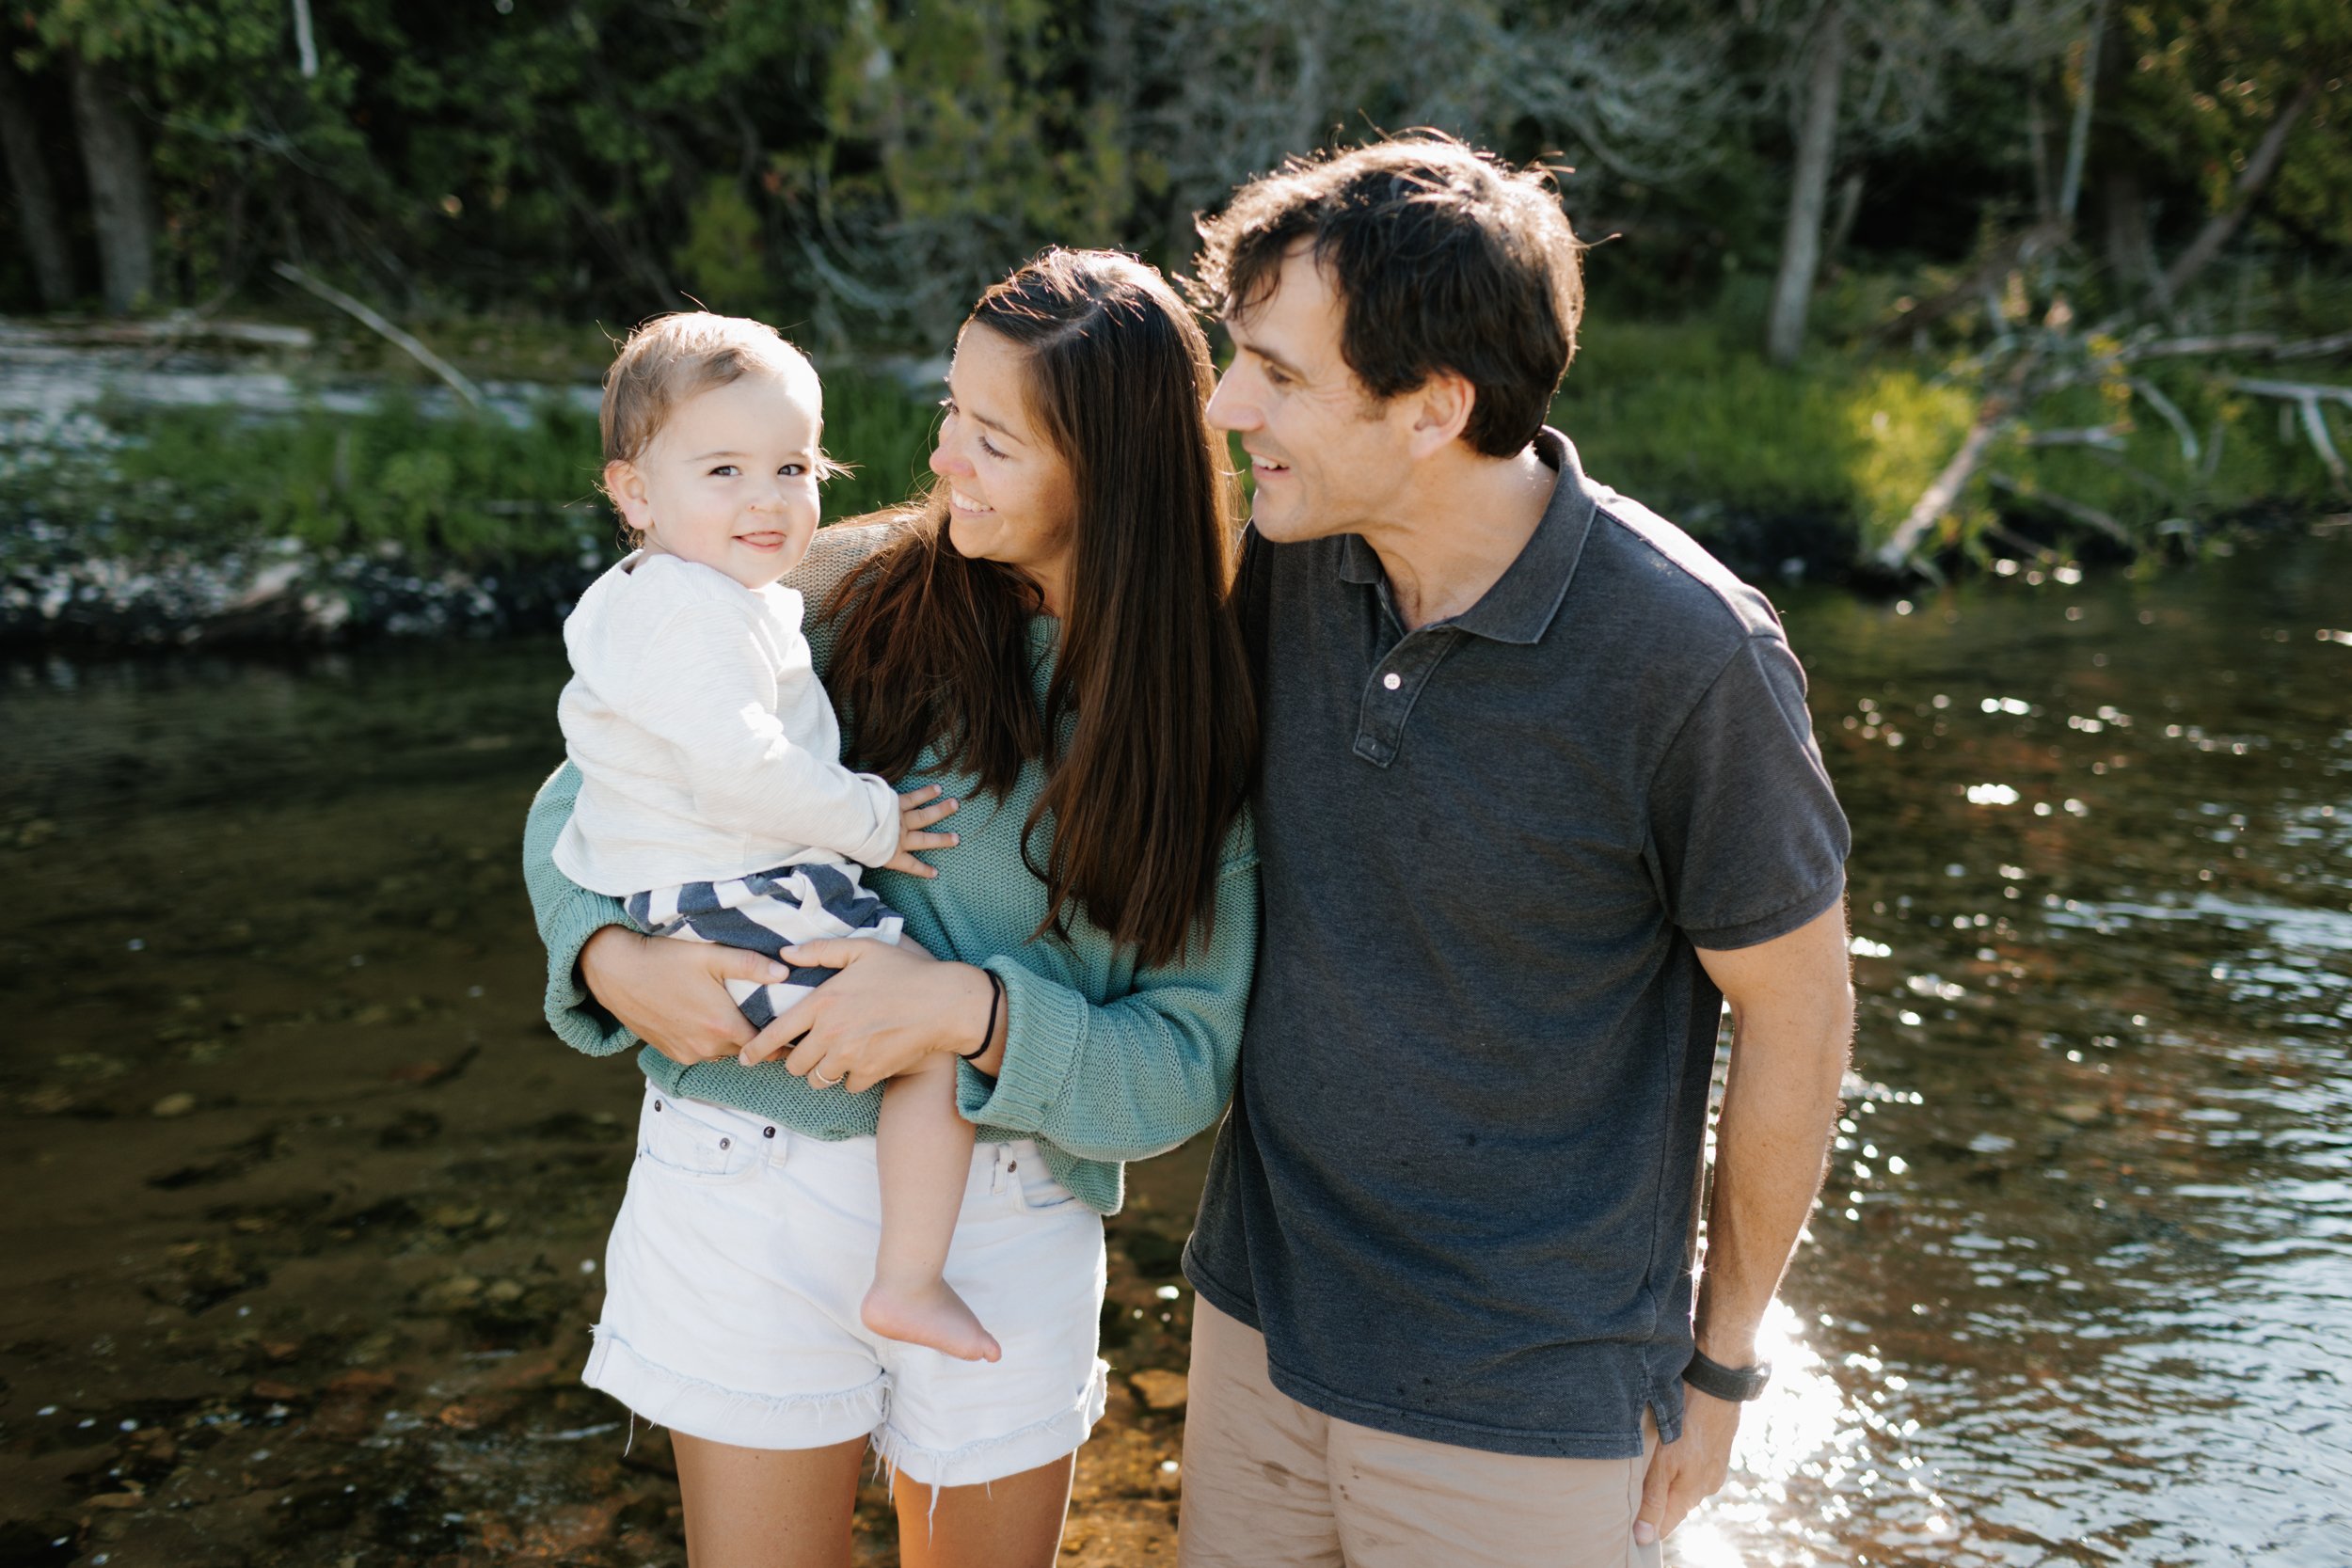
column 928, row 1313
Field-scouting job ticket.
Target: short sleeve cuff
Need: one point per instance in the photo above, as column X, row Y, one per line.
column 1046, row 1027
column 1752, row 933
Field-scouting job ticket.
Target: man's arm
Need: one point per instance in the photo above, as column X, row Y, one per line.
column 1792, row 1023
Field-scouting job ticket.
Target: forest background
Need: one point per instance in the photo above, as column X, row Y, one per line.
column 1887, row 286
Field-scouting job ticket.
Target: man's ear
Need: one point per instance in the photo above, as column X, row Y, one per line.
column 1441, row 410
column 627, row 486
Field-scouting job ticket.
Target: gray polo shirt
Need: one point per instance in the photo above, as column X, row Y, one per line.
column 1458, row 1184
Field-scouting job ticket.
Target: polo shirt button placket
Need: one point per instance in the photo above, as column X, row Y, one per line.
column 1380, row 726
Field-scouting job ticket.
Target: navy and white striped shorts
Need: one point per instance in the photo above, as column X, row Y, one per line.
column 766, row 911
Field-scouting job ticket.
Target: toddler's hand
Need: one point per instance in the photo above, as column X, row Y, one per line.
column 917, row 810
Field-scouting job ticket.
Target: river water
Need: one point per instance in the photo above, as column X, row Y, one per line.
column 307, row 1207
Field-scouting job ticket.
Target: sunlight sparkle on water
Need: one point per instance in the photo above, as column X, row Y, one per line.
column 1802, row 1440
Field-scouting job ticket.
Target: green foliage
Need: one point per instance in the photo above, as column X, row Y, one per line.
column 2205, row 80
column 473, row 490
column 470, row 489
column 719, row 259
column 1690, row 418
column 884, row 432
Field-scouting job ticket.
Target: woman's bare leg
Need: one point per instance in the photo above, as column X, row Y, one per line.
column 924, row 1148
column 1013, row 1522
column 767, row 1508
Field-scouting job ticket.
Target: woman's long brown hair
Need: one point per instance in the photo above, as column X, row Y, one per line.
column 1149, row 731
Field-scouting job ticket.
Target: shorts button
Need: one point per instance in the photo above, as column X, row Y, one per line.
column 1013, row 1164
column 767, row 1131
column 727, row 1143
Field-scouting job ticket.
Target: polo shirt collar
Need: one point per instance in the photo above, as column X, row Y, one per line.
column 1522, row 605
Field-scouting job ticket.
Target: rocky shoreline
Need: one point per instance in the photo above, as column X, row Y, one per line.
column 60, row 590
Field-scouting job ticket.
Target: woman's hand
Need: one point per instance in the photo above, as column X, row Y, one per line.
column 917, row 810
column 887, row 1009
column 672, row 995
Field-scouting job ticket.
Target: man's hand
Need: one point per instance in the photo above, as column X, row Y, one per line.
column 672, row 995
column 1689, row 1470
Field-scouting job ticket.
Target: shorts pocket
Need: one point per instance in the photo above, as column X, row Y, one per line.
column 1036, row 1191
column 671, row 1141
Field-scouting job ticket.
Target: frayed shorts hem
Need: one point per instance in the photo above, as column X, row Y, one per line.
column 995, row 1458
column 720, row 1415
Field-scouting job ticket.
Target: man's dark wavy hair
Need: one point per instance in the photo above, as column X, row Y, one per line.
column 1444, row 258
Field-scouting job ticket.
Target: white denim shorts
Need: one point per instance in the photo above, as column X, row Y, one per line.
column 732, row 1281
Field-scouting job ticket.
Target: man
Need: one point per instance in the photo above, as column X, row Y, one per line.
column 1539, row 797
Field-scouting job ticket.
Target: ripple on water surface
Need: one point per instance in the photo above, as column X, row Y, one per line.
column 2078, row 1291
column 2076, row 1286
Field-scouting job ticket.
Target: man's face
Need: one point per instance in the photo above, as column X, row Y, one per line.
column 1326, row 456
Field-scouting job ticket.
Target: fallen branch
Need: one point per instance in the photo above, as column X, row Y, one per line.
column 2066, row 506
column 2171, row 413
column 2264, row 343
column 2042, row 554
column 1937, row 499
column 2316, row 426
column 376, row 323
column 2300, row 392
column 2314, row 348
column 2307, row 396
column 2228, row 343
column 2260, row 165
column 1994, row 416
column 2107, row 437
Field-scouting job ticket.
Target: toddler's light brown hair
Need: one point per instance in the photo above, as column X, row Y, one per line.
column 670, row 359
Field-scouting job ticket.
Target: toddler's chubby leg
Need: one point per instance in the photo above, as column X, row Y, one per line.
column 925, row 1150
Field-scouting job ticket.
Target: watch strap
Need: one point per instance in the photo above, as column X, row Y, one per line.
column 1710, row 1376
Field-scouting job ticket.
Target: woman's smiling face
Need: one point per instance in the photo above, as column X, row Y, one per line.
column 1011, row 497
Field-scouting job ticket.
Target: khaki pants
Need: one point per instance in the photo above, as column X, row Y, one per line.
column 1270, row 1484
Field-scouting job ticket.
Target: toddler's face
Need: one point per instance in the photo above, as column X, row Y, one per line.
column 730, row 481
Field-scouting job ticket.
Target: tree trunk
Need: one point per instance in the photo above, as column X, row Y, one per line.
column 1842, row 220
column 2257, row 173
column 123, row 205
column 37, row 218
column 1808, row 195
column 2078, row 137
column 2124, row 206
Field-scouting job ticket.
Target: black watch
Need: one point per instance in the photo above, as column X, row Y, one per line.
column 1726, row 1383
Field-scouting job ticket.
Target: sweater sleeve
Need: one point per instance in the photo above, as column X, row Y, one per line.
column 1138, row 1075
column 568, row 914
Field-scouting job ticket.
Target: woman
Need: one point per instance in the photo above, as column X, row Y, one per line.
column 1046, row 639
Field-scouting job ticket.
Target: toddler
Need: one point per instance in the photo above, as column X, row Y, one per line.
column 712, row 800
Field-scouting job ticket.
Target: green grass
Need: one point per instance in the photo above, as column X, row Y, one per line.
column 473, row 490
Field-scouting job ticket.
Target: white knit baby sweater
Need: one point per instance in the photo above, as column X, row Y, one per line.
column 706, row 748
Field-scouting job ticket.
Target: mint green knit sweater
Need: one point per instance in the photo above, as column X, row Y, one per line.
column 1104, row 1060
